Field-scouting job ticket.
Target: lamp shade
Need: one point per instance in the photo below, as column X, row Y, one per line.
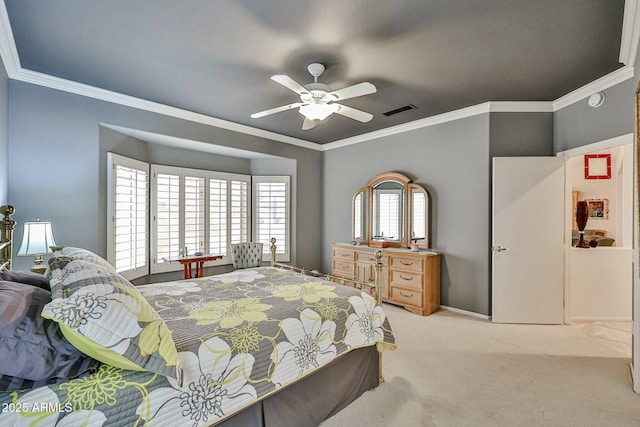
column 36, row 238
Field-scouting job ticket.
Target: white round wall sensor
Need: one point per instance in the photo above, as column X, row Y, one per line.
column 596, row 99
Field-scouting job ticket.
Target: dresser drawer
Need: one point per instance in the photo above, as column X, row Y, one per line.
column 344, row 254
column 344, row 268
column 369, row 258
column 407, row 280
column 403, row 296
column 407, row 263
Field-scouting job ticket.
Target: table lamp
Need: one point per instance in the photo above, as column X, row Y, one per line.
column 37, row 238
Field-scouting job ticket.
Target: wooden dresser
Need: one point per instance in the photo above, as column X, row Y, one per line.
column 410, row 279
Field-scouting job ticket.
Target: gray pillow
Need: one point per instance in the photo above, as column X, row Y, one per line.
column 26, row 277
column 32, row 349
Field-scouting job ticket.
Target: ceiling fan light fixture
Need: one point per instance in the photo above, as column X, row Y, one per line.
column 318, row 101
column 315, row 111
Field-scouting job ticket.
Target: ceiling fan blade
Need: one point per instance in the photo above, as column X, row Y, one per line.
column 364, row 88
column 275, row 110
column 289, row 83
column 308, row 124
column 354, row 114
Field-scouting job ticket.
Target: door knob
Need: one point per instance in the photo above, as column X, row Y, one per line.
column 500, row 248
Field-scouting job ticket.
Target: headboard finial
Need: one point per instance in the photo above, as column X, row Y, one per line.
column 6, row 236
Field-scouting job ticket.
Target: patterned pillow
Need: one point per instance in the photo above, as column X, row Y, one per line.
column 82, row 255
column 103, row 315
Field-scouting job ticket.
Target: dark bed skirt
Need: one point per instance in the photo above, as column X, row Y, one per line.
column 322, row 394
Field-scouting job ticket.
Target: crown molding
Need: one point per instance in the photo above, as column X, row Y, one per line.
column 406, row 127
column 521, row 107
column 616, row 77
column 8, row 50
column 53, row 82
column 630, row 32
column 628, row 50
column 487, row 107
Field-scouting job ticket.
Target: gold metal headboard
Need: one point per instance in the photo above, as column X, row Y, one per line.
column 6, row 236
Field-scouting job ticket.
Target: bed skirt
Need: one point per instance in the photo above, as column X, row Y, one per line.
column 319, row 396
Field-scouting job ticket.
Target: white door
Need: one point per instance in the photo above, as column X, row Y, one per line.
column 527, row 242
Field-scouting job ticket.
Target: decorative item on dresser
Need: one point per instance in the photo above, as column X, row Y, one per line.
column 392, row 214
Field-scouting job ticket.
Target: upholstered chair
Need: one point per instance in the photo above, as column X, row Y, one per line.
column 246, row 255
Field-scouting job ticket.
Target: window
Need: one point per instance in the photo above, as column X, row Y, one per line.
column 128, row 221
column 157, row 210
column 203, row 211
column 166, row 215
column 271, row 196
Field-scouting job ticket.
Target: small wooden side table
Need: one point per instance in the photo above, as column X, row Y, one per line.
column 186, row 261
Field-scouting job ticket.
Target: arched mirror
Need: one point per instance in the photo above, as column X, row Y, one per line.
column 419, row 205
column 360, row 217
column 391, row 212
column 387, row 212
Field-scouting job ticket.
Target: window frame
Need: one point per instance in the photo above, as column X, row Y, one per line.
column 248, row 228
column 266, row 252
column 114, row 160
column 160, row 267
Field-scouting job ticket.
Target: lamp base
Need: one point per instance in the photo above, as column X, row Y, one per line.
column 38, row 265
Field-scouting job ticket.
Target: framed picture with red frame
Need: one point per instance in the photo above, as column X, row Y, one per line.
column 597, row 166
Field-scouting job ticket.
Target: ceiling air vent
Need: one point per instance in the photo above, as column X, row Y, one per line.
column 400, row 110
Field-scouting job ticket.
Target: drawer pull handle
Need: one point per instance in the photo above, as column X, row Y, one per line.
column 405, row 295
column 344, row 265
column 406, row 263
column 345, row 255
column 406, row 278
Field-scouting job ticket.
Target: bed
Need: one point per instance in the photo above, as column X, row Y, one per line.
column 262, row 347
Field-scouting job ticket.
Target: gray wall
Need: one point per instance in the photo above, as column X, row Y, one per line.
column 521, row 134
column 4, row 144
column 578, row 124
column 452, row 161
column 66, row 181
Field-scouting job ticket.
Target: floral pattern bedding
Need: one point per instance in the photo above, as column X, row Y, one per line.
column 240, row 337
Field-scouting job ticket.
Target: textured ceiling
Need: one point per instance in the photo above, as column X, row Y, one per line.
column 216, row 57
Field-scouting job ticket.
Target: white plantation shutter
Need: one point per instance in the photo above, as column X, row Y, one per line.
column 167, row 217
column 157, row 210
column 239, row 213
column 202, row 210
column 194, row 214
column 218, row 216
column 271, row 214
column 128, row 225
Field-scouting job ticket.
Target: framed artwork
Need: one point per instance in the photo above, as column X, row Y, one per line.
column 597, row 166
column 598, row 208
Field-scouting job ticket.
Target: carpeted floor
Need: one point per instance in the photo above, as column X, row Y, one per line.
column 452, row 370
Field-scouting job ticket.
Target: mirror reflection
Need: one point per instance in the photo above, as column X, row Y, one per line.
column 388, row 203
column 418, row 217
column 360, row 215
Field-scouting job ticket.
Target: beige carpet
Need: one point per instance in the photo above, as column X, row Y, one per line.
column 452, row 370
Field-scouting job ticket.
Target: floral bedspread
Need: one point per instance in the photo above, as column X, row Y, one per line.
column 240, row 337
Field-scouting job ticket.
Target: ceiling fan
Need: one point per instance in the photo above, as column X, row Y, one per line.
column 317, row 101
